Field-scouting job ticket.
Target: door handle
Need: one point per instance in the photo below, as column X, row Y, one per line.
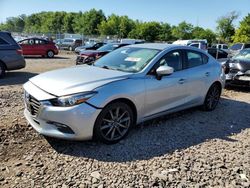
column 181, row 81
column 207, row 73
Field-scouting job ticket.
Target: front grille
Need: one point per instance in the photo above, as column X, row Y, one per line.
column 33, row 105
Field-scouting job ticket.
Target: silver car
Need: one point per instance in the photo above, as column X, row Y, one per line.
column 128, row 86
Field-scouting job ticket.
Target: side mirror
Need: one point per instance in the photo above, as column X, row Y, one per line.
column 164, row 70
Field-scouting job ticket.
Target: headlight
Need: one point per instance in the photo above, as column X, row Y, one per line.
column 72, row 100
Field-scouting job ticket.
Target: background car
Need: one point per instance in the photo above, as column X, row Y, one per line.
column 93, row 46
column 223, row 47
column 238, row 68
column 125, row 87
column 217, row 53
column 236, row 48
column 70, row 44
column 38, row 46
column 89, row 56
column 10, row 54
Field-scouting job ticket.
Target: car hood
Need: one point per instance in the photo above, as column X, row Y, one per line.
column 244, row 64
column 76, row 79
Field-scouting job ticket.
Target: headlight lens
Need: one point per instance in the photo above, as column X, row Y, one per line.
column 72, row 100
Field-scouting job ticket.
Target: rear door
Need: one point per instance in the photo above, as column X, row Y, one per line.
column 25, row 47
column 198, row 73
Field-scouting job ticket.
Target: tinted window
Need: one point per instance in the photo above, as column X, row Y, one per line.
column 3, row 42
column 195, row 45
column 68, row 40
column 225, row 47
column 205, row 59
column 194, row 59
column 172, row 59
column 237, row 46
column 247, row 45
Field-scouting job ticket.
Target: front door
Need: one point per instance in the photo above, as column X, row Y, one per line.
column 170, row 91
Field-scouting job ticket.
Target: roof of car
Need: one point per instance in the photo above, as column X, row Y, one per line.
column 157, row 46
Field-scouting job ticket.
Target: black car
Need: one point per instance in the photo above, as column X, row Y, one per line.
column 11, row 57
column 89, row 56
column 238, row 68
column 217, row 53
column 93, row 46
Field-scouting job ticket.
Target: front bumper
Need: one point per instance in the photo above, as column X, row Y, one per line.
column 80, row 119
column 84, row 60
column 238, row 78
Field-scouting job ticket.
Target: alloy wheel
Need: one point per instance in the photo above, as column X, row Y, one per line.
column 115, row 124
column 213, row 97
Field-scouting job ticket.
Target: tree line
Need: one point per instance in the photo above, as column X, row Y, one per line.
column 94, row 22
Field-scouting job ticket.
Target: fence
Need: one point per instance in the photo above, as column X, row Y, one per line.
column 60, row 36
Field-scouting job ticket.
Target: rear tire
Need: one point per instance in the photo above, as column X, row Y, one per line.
column 113, row 123
column 212, row 97
column 50, row 54
column 2, row 70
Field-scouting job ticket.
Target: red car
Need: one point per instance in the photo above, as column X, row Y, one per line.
column 38, row 46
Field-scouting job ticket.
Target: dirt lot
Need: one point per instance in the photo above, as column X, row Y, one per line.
column 186, row 149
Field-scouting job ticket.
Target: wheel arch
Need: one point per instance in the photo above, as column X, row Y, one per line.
column 129, row 103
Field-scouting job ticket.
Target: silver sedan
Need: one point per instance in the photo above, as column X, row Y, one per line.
column 128, row 86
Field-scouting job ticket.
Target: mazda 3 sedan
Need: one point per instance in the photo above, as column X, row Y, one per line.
column 127, row 86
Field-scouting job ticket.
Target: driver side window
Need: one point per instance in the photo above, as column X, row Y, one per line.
column 172, row 59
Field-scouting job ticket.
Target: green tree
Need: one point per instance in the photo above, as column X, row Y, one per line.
column 200, row 33
column 225, row 27
column 182, row 31
column 242, row 34
column 88, row 22
column 68, row 22
column 165, row 32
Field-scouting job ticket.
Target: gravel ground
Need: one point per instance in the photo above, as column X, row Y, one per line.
column 191, row 148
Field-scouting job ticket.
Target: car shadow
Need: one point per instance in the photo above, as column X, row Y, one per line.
column 39, row 57
column 245, row 89
column 165, row 134
column 16, row 78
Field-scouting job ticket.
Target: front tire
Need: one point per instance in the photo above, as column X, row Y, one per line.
column 2, row 70
column 113, row 123
column 212, row 97
column 50, row 54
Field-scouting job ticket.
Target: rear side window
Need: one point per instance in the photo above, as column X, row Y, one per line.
column 204, row 58
column 3, row 42
column 225, row 47
column 194, row 59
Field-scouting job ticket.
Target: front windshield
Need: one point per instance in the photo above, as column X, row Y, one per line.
column 237, row 46
column 127, row 59
column 243, row 55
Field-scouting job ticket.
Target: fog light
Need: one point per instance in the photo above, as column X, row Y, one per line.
column 62, row 127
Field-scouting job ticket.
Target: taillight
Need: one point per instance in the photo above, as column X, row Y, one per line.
column 19, row 51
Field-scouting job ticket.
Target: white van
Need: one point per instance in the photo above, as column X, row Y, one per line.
column 201, row 44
